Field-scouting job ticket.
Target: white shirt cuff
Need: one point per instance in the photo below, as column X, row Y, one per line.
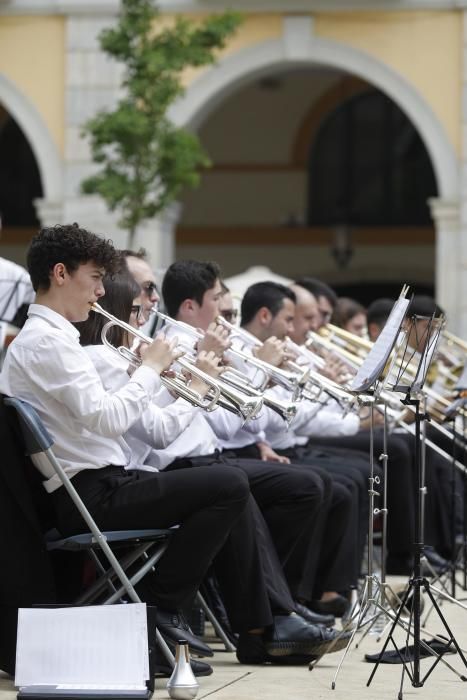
column 148, row 379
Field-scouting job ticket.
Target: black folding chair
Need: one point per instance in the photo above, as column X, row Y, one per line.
column 147, row 544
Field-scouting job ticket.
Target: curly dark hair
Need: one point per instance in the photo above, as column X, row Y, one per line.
column 71, row 245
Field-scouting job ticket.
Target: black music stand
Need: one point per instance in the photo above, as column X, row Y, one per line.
column 410, row 385
column 457, row 409
column 366, row 386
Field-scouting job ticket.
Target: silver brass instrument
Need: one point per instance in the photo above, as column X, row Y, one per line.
column 177, row 383
column 286, row 409
column 387, row 397
column 293, row 380
column 220, row 393
column 233, row 398
column 289, row 380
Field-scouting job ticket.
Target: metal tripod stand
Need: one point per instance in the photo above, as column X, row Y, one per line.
column 416, row 584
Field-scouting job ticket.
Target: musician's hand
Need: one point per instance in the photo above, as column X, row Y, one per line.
column 271, row 351
column 267, row 454
column 216, row 339
column 365, row 419
column 160, row 354
column 208, row 363
column 335, row 369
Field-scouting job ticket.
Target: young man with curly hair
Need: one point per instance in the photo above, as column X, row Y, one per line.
column 47, row 367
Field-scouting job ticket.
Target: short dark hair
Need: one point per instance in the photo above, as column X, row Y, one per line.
column 345, row 310
column 379, row 310
column 318, row 289
column 71, row 245
column 120, row 291
column 424, row 305
column 268, row 294
column 141, row 253
column 187, row 279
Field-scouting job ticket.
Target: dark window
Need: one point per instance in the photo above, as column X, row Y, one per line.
column 368, row 166
column 20, row 181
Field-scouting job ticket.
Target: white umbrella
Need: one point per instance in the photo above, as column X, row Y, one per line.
column 238, row 284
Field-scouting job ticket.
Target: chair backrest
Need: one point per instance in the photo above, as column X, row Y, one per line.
column 35, row 435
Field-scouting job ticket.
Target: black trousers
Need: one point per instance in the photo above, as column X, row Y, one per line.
column 249, row 573
column 337, row 554
column 205, row 505
column 351, row 469
column 292, row 502
column 323, row 556
column 399, row 483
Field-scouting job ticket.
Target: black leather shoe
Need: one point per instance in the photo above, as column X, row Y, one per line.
column 439, row 563
column 174, row 627
column 314, row 618
column 164, row 669
column 338, row 606
column 291, row 634
column 251, row 650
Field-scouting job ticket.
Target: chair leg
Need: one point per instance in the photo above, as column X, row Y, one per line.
column 215, row 623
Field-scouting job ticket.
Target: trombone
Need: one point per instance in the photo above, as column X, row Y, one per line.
column 218, row 395
column 356, row 360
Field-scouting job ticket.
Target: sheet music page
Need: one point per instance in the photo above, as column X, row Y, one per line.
column 424, row 363
column 105, row 645
column 462, row 383
column 376, row 360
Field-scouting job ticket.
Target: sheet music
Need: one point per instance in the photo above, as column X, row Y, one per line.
column 105, row 646
column 424, row 363
column 376, row 360
column 462, row 383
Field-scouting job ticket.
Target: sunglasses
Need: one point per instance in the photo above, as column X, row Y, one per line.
column 137, row 310
column 150, row 289
column 230, row 315
column 325, row 315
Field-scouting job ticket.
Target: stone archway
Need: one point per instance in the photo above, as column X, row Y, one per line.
column 44, row 149
column 298, row 46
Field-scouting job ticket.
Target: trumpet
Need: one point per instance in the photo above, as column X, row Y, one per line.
column 289, row 380
column 176, row 383
column 286, row 409
column 218, row 394
column 293, row 380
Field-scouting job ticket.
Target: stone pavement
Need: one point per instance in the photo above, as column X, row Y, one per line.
column 232, row 681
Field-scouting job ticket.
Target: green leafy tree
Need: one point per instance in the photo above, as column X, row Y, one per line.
column 146, row 160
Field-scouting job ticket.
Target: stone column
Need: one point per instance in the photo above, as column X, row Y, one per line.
column 461, row 264
column 48, row 212
column 92, row 82
column 445, row 215
column 157, row 236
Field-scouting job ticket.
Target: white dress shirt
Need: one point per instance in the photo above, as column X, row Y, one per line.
column 15, row 289
column 157, row 428
column 46, row 366
column 310, row 419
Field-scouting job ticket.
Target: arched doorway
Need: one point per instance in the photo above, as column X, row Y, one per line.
column 20, row 187
column 44, row 182
column 299, row 48
column 20, row 182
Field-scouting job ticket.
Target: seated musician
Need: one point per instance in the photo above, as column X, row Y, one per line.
column 250, row 576
column 400, row 445
column 438, row 500
column 188, row 289
column 350, row 315
column 47, row 367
